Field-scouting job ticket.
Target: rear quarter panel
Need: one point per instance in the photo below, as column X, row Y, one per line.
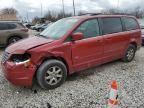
column 135, row 35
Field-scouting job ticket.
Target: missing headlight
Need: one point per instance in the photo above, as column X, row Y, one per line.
column 16, row 58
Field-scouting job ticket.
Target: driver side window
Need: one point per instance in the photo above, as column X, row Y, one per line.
column 89, row 28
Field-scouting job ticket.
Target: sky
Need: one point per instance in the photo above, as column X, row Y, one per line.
column 32, row 8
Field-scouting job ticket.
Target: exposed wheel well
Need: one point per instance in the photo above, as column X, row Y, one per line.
column 49, row 58
column 12, row 37
column 60, row 59
column 134, row 43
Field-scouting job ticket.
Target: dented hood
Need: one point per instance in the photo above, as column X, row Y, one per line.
column 26, row 44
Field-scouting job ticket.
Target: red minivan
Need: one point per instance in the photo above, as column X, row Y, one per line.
column 70, row 45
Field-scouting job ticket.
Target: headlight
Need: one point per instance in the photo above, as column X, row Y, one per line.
column 26, row 62
column 19, row 59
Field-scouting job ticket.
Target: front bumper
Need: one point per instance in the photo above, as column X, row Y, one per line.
column 18, row 75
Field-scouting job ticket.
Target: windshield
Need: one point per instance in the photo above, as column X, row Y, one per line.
column 59, row 28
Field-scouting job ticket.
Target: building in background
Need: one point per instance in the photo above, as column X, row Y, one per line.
column 8, row 17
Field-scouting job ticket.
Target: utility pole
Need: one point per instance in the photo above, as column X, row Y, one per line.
column 27, row 17
column 63, row 8
column 74, row 7
column 117, row 4
column 41, row 8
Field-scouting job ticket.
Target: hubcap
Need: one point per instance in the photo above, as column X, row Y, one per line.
column 53, row 75
column 130, row 54
column 14, row 40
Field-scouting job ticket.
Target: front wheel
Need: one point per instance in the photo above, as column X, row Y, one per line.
column 13, row 40
column 130, row 53
column 51, row 74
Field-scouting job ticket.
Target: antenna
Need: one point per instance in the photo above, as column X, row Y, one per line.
column 41, row 8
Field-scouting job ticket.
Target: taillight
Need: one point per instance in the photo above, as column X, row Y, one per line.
column 24, row 29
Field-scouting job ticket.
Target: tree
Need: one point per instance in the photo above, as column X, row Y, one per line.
column 12, row 11
column 54, row 16
column 138, row 12
column 36, row 20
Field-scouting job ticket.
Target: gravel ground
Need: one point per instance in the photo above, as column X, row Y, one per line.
column 87, row 89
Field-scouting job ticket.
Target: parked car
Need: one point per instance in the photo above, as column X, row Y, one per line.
column 141, row 21
column 11, row 31
column 38, row 28
column 44, row 27
column 28, row 25
column 70, row 45
column 142, row 36
column 35, row 26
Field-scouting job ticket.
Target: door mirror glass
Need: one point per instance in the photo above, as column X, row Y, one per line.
column 77, row 36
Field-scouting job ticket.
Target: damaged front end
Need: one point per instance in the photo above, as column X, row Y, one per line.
column 18, row 69
column 21, row 59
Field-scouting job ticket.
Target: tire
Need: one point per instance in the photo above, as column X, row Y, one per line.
column 13, row 39
column 40, row 30
column 51, row 74
column 130, row 53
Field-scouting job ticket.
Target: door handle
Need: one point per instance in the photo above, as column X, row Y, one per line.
column 99, row 40
column 108, row 38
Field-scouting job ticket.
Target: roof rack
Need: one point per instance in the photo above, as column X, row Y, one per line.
column 91, row 14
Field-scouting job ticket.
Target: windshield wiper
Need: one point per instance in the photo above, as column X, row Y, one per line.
column 42, row 36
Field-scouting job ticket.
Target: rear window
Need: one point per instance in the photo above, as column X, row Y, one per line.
column 3, row 26
column 111, row 25
column 130, row 24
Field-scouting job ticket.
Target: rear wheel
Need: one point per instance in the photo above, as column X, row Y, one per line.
column 51, row 74
column 13, row 39
column 40, row 30
column 130, row 53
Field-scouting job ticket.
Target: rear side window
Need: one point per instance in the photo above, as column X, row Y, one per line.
column 11, row 26
column 130, row 24
column 89, row 28
column 111, row 25
column 6, row 26
column 3, row 26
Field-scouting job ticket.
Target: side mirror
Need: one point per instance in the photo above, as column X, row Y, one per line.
column 77, row 36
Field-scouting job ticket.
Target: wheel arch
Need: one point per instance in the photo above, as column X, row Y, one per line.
column 50, row 58
column 57, row 58
column 134, row 43
column 11, row 36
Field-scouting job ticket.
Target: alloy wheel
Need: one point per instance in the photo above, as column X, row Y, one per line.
column 130, row 53
column 53, row 75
